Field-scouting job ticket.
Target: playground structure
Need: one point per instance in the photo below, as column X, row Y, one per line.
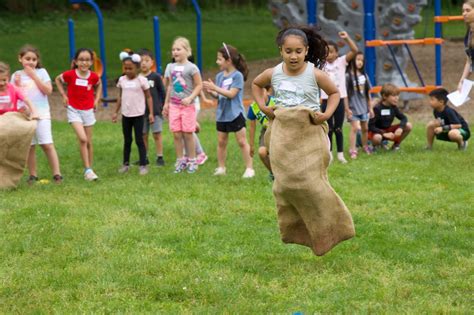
column 383, row 29
column 99, row 64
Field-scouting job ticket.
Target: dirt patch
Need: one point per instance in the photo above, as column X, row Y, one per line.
column 419, row 110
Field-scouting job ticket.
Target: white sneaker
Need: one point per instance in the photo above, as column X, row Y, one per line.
column 90, row 175
column 143, row 170
column 341, row 158
column 219, row 171
column 249, row 173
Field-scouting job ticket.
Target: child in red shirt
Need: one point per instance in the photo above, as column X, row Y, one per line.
column 81, row 103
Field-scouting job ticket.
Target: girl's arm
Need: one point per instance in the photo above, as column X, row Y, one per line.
column 149, row 101
column 167, row 100
column 354, row 49
column 197, row 89
column 211, row 87
column 331, row 90
column 98, row 93
column 119, row 104
column 59, row 84
column 45, row 87
column 465, row 73
column 259, row 84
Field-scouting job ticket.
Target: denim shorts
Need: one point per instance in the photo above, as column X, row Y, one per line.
column 362, row 117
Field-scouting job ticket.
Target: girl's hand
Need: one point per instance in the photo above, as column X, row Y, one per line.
column 186, row 101
column 371, row 114
column 65, row 101
column 198, row 127
column 34, row 115
column 114, row 117
column 460, row 85
column 269, row 112
column 151, row 118
column 17, row 79
column 320, row 118
column 96, row 104
column 166, row 109
column 29, row 71
column 349, row 114
column 343, row 35
column 209, row 85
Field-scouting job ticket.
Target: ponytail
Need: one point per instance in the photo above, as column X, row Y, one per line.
column 237, row 59
column 317, row 46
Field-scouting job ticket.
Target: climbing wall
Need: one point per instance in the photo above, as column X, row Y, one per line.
column 395, row 20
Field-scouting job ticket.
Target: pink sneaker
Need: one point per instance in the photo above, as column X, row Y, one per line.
column 201, row 158
column 353, row 154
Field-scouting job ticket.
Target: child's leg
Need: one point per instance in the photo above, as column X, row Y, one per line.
column 430, row 134
column 355, row 125
column 189, row 143
column 145, row 141
column 197, row 144
column 52, row 156
column 222, row 139
column 241, row 137
column 127, row 125
column 364, row 128
column 264, row 157
column 330, row 122
column 405, row 132
column 138, row 128
column 32, row 161
column 146, row 129
column 83, row 138
column 158, row 143
column 456, row 136
column 178, row 144
column 338, row 121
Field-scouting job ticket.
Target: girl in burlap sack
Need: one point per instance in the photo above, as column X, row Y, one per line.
column 310, row 213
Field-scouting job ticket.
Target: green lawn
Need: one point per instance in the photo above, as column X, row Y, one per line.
column 181, row 243
column 252, row 32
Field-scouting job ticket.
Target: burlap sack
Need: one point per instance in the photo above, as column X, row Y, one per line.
column 16, row 132
column 310, row 213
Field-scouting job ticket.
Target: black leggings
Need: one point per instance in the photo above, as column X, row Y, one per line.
column 135, row 123
column 335, row 124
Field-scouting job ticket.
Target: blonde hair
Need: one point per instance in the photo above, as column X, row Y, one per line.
column 389, row 89
column 4, row 68
column 184, row 42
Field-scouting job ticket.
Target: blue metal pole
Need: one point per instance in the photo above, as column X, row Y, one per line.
column 397, row 64
column 72, row 39
column 156, row 35
column 311, row 8
column 438, row 34
column 413, row 62
column 369, row 34
column 100, row 21
column 199, row 33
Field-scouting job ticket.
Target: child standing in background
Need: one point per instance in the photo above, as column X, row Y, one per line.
column 359, row 103
column 336, row 69
column 133, row 95
column 35, row 84
column 184, row 86
column 158, row 94
column 81, row 104
column 381, row 125
column 228, row 89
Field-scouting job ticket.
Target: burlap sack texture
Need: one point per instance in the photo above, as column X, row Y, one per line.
column 310, row 212
column 16, row 132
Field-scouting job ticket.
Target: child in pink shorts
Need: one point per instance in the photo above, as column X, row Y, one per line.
column 184, row 86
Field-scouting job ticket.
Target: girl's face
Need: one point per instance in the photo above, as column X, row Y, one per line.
column 293, row 52
column 332, row 54
column 29, row 59
column 179, row 53
column 468, row 13
column 359, row 61
column 84, row 61
column 222, row 63
column 130, row 69
column 3, row 81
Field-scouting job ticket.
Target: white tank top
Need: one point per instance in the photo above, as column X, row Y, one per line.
column 290, row 91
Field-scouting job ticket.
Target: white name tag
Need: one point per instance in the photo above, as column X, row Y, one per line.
column 179, row 68
column 227, row 82
column 287, row 86
column 5, row 99
column 385, row 112
column 151, row 83
column 82, row 82
column 129, row 85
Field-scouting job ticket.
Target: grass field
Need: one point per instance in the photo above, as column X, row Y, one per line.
column 196, row 243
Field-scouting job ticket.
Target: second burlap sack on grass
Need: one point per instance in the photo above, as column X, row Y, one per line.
column 310, row 212
column 16, row 132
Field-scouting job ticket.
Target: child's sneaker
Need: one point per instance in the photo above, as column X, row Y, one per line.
column 463, row 146
column 341, row 158
column 58, row 179
column 249, row 173
column 368, row 150
column 89, row 175
column 192, row 166
column 353, row 154
column 396, row 147
column 32, row 179
column 160, row 161
column 180, row 165
column 124, row 169
column 219, row 171
column 143, row 170
column 201, row 158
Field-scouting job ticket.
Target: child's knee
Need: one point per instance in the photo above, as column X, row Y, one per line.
column 454, row 134
column 408, row 127
column 432, row 124
column 262, row 152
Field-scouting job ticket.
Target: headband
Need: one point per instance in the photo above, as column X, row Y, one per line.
column 134, row 57
column 227, row 50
